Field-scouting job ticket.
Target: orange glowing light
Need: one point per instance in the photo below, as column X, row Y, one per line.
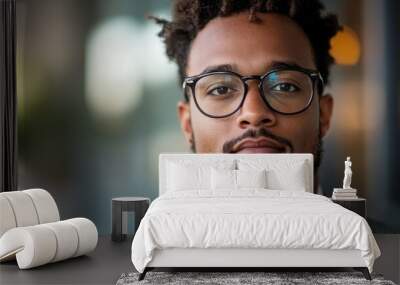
column 345, row 47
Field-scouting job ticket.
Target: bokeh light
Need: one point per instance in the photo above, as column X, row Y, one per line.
column 345, row 47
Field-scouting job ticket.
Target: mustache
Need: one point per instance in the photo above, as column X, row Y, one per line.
column 255, row 133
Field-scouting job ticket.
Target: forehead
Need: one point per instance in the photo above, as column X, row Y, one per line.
column 251, row 47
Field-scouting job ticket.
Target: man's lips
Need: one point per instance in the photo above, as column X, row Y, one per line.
column 262, row 145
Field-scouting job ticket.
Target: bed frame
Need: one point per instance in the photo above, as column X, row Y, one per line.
column 236, row 259
column 250, row 259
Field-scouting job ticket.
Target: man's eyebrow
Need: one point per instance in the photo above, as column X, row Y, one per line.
column 233, row 67
column 284, row 64
column 220, row 67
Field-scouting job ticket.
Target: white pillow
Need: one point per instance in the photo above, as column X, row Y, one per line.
column 251, row 178
column 223, row 179
column 228, row 179
column 283, row 174
column 189, row 174
column 288, row 178
column 186, row 177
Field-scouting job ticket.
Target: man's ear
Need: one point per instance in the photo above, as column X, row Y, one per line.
column 184, row 117
column 325, row 113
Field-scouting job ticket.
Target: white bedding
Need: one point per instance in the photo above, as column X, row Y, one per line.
column 251, row 218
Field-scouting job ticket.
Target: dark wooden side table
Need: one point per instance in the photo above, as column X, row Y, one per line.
column 358, row 205
column 120, row 207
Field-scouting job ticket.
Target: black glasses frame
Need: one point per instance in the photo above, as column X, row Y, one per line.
column 314, row 76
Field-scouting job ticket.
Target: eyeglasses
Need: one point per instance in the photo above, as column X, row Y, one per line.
column 219, row 94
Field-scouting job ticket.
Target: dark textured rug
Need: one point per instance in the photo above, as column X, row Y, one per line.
column 229, row 278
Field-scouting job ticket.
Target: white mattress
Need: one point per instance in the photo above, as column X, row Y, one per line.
column 253, row 218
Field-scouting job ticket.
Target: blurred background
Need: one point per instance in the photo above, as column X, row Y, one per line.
column 97, row 104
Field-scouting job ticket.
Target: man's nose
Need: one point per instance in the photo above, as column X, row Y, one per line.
column 254, row 111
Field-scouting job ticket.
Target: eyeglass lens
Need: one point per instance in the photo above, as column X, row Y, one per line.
column 286, row 91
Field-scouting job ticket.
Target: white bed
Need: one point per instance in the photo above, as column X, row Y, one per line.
column 196, row 222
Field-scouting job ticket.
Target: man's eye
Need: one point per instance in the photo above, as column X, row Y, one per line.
column 220, row 90
column 285, row 87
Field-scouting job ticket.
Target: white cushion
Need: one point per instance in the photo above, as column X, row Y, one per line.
column 46, row 207
column 293, row 178
column 228, row 179
column 223, row 179
column 251, row 178
column 87, row 233
column 7, row 218
column 281, row 174
column 182, row 177
column 23, row 208
column 188, row 175
column 31, row 233
column 67, row 240
column 27, row 208
column 32, row 246
column 40, row 244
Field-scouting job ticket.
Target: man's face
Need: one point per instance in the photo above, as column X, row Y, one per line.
column 253, row 49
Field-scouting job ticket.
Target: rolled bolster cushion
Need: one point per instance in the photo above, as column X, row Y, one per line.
column 33, row 245
column 26, row 208
column 67, row 239
column 7, row 218
column 45, row 205
column 87, row 234
column 40, row 244
column 23, row 208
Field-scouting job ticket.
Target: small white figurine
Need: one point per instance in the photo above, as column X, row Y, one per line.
column 347, row 192
column 347, row 174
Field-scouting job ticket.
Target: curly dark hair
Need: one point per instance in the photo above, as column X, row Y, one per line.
column 190, row 16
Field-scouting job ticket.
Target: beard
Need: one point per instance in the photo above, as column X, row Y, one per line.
column 318, row 147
